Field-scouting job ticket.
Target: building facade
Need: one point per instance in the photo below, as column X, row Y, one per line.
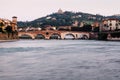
column 110, row 25
column 8, row 28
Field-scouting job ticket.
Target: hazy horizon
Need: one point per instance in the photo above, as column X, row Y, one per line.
column 27, row 10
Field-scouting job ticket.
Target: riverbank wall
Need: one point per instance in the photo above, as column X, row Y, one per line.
column 6, row 36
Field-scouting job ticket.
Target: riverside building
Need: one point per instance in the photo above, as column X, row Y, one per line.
column 8, row 28
column 110, row 25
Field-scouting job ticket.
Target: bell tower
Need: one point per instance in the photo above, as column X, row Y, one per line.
column 14, row 19
column 14, row 23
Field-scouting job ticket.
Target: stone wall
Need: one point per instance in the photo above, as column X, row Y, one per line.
column 10, row 36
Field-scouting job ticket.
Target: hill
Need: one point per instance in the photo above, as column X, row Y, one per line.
column 65, row 19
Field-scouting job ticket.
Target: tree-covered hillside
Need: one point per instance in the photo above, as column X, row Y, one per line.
column 64, row 19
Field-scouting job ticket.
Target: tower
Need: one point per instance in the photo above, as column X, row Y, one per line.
column 14, row 19
column 14, row 27
column 14, row 23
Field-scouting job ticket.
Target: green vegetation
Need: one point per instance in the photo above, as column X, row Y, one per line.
column 68, row 19
column 65, row 19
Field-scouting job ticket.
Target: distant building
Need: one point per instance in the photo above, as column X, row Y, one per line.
column 75, row 24
column 5, row 22
column 116, row 15
column 92, row 17
column 9, row 27
column 48, row 17
column 60, row 11
column 54, row 19
column 82, row 24
column 95, row 26
column 110, row 25
column 49, row 27
column 66, row 28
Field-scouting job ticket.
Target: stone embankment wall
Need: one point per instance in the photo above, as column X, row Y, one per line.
column 6, row 36
column 3, row 36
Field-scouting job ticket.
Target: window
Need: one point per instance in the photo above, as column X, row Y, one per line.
column 105, row 25
column 116, row 25
column 110, row 24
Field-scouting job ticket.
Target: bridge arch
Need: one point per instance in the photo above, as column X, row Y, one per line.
column 39, row 36
column 83, row 36
column 55, row 36
column 26, row 35
column 69, row 36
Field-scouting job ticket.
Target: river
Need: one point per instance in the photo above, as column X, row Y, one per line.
column 60, row 60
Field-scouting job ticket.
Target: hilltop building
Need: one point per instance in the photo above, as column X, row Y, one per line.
column 60, row 11
column 110, row 25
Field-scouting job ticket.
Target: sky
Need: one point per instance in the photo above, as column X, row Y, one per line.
column 28, row 10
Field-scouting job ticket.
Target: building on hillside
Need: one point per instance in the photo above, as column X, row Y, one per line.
column 75, row 24
column 49, row 27
column 95, row 26
column 110, row 25
column 82, row 24
column 64, row 28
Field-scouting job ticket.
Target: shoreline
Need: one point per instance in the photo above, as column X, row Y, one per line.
column 8, row 40
column 12, row 40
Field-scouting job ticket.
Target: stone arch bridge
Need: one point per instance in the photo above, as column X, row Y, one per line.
column 48, row 33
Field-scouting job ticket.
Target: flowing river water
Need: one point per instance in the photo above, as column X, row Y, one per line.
column 60, row 60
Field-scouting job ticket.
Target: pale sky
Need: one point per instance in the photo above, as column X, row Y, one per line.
column 27, row 10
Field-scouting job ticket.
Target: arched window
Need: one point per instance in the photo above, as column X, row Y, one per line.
column 110, row 24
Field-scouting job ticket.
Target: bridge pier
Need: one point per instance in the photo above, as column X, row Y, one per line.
column 47, row 38
column 62, row 37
